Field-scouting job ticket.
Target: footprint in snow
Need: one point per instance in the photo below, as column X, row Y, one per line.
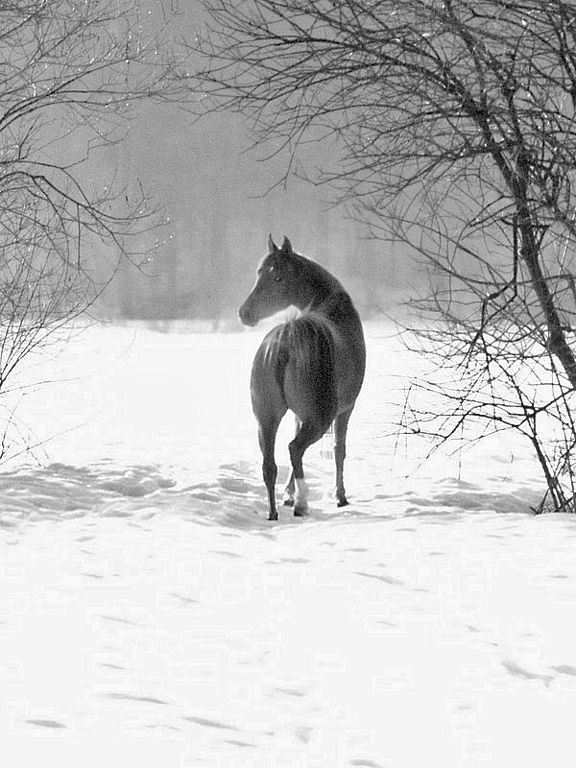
column 303, row 734
column 208, row 723
column 237, row 743
column 565, row 669
column 385, row 579
column 517, row 671
column 133, row 697
column 295, row 692
column 183, row 598
column 226, row 553
column 121, row 620
column 47, row 723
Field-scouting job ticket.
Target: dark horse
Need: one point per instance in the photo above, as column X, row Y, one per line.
column 313, row 365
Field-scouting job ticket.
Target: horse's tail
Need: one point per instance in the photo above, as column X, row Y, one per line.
column 305, row 368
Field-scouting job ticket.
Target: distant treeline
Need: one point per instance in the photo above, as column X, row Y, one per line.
column 202, row 263
column 206, row 273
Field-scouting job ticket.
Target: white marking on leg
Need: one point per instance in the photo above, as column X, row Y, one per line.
column 301, row 494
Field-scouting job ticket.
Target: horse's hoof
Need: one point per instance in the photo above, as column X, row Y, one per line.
column 288, row 502
column 273, row 516
column 342, row 502
column 300, row 511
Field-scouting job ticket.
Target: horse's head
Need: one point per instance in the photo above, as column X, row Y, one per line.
column 277, row 284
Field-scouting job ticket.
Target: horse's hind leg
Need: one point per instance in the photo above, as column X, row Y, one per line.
column 308, row 433
column 267, row 438
column 340, row 429
column 289, row 490
column 290, row 485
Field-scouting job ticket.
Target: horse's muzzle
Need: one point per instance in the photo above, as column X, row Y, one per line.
column 246, row 317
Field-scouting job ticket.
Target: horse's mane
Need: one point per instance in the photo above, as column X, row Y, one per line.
column 316, row 272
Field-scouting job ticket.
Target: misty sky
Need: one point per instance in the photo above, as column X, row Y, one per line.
column 223, row 198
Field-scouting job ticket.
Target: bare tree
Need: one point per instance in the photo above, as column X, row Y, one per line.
column 71, row 74
column 451, row 127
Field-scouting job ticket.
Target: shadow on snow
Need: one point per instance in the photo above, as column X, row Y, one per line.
column 234, row 497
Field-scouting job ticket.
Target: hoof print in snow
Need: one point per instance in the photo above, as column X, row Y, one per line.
column 47, row 723
column 209, row 723
column 517, row 671
column 565, row 669
column 303, row 734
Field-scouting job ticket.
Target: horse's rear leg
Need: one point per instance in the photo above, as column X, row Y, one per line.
column 340, row 429
column 267, row 438
column 290, row 488
column 308, row 433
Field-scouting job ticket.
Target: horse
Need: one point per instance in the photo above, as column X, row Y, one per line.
column 312, row 365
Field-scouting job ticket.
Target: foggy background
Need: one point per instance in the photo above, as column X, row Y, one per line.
column 221, row 202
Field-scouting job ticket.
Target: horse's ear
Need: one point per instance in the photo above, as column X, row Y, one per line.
column 287, row 247
column 271, row 244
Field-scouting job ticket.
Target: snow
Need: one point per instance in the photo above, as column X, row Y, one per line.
column 150, row 615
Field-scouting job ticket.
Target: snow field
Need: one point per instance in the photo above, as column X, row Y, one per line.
column 151, row 616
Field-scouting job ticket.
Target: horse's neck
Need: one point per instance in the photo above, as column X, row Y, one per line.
column 325, row 296
column 337, row 307
column 319, row 287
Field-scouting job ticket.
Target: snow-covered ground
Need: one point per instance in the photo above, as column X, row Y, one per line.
column 150, row 615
